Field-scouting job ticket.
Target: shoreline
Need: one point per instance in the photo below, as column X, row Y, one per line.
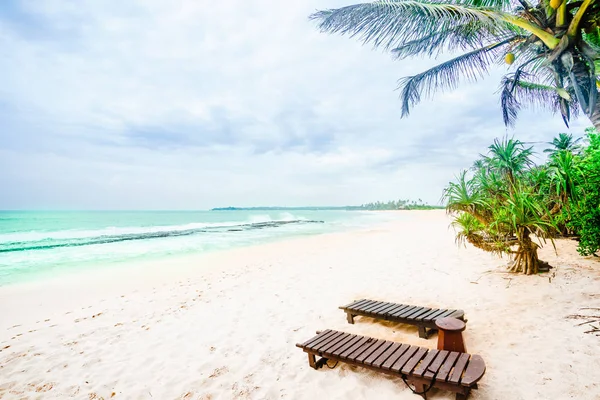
column 225, row 324
column 104, row 268
column 98, row 281
column 70, row 267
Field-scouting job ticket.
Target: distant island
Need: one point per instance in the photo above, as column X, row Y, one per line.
column 377, row 206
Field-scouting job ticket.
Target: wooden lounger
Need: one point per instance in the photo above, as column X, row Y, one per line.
column 418, row 366
column 424, row 318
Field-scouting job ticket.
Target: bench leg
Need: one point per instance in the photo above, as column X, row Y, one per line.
column 420, row 388
column 463, row 396
column 350, row 318
column 311, row 360
column 422, row 332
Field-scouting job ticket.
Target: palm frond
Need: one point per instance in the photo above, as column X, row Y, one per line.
column 564, row 141
column 470, row 66
column 510, row 158
column 524, row 210
column 515, row 92
column 463, row 37
column 462, row 196
column 391, row 23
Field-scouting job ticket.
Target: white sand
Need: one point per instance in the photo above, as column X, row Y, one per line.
column 224, row 326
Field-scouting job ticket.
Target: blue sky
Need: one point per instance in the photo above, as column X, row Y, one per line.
column 191, row 104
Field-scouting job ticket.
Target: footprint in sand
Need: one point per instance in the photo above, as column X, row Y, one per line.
column 218, row 372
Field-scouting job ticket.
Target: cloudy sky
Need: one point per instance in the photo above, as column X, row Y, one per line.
column 191, row 104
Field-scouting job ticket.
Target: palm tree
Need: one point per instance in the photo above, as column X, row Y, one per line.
column 523, row 215
column 563, row 142
column 564, row 174
column 556, row 45
column 499, row 208
column 509, row 157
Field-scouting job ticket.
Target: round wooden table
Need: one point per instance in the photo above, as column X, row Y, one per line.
column 450, row 334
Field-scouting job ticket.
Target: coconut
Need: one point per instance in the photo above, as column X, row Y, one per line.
column 555, row 3
column 509, row 58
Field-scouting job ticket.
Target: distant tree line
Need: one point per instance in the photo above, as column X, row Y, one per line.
column 399, row 205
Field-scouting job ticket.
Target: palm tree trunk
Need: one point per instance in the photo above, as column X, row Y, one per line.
column 595, row 116
column 584, row 83
column 526, row 259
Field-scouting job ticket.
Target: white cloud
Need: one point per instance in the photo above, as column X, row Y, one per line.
column 194, row 104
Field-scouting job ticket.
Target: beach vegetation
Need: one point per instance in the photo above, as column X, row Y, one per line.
column 584, row 218
column 496, row 210
column 507, row 205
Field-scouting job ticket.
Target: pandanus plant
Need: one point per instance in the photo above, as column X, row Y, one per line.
column 498, row 209
column 552, row 47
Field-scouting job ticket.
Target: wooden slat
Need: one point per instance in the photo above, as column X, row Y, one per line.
column 320, row 336
column 391, row 309
column 405, row 357
column 474, row 371
column 355, row 346
column 459, row 368
column 434, row 316
column 371, row 350
column 411, row 312
column 325, row 342
column 362, row 348
column 359, row 306
column 353, row 304
column 395, row 356
column 377, row 310
column 408, row 310
column 446, row 314
column 425, row 316
column 388, row 307
column 336, row 352
column 386, row 345
column 397, row 308
column 335, row 343
column 365, row 347
column 365, row 305
column 436, row 364
column 416, row 314
column 420, row 370
column 447, row 366
column 378, row 362
column 413, row 361
column 373, row 306
column 460, row 314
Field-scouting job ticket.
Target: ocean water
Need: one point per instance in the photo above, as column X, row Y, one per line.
column 35, row 245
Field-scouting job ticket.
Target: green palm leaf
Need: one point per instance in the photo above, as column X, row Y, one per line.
column 389, row 23
column 564, row 141
column 470, row 66
column 515, row 92
column 510, row 158
column 463, row 37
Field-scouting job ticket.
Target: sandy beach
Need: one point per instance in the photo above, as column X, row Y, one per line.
column 224, row 325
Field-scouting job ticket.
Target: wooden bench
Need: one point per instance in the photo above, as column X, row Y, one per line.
column 418, row 366
column 423, row 317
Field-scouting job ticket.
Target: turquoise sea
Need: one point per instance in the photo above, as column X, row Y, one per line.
column 36, row 244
